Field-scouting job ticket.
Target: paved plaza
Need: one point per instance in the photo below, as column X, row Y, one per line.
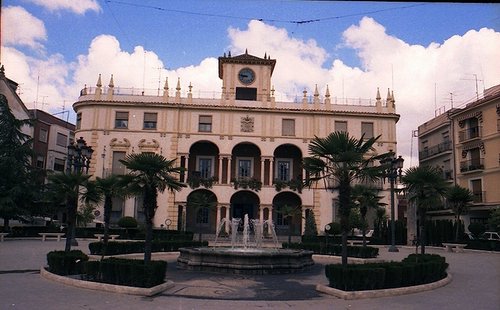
column 475, row 285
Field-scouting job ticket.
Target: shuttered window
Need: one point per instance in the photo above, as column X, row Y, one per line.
column 288, row 127
column 121, row 120
column 205, row 123
column 367, row 130
column 341, row 126
column 150, row 120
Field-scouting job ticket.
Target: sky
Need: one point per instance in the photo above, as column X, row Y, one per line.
column 432, row 55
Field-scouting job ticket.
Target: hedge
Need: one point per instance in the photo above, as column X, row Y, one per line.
column 127, row 247
column 335, row 249
column 66, row 263
column 416, row 269
column 128, row 272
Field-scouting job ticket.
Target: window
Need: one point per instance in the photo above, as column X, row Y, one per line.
column 281, row 220
column 446, row 136
column 42, row 137
column 59, row 164
column 202, row 216
column 78, row 120
column 288, row 127
column 139, row 209
column 341, row 126
column 205, row 167
column 205, row 123
column 367, row 130
column 283, row 169
column 62, row 139
column 40, row 161
column 150, row 120
column 121, row 120
column 117, row 209
column 118, row 167
column 477, row 190
column 244, row 168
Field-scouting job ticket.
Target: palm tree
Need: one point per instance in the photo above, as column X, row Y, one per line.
column 198, row 201
column 106, row 189
column 425, row 187
column 68, row 189
column 366, row 198
column 459, row 199
column 342, row 159
column 289, row 213
column 150, row 173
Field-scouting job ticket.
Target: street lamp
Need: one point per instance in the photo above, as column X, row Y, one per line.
column 79, row 156
column 393, row 168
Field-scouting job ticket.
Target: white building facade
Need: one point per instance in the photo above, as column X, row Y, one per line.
column 242, row 145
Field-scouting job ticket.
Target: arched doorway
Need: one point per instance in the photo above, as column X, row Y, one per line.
column 245, row 202
column 287, row 213
column 201, row 211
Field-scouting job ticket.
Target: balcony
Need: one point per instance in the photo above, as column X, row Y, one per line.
column 472, row 165
column 434, row 150
column 479, row 197
column 470, row 133
column 448, row 175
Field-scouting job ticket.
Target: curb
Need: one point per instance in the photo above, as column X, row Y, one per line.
column 121, row 289
column 349, row 295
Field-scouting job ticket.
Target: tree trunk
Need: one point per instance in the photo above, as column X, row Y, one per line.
column 71, row 219
column 6, row 224
column 422, row 231
column 107, row 219
column 149, row 210
column 457, row 222
column 344, row 210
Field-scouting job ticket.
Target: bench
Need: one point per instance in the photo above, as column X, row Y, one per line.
column 2, row 235
column 356, row 242
column 48, row 234
column 101, row 236
column 458, row 246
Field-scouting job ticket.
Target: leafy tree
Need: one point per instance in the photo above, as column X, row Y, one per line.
column 289, row 213
column 15, row 154
column 342, row 159
column 477, row 229
column 425, row 187
column 494, row 220
column 85, row 215
column 366, row 198
column 150, row 173
column 198, row 201
column 459, row 200
column 380, row 218
column 67, row 189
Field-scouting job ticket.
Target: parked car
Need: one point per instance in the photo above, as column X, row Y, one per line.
column 468, row 236
column 490, row 235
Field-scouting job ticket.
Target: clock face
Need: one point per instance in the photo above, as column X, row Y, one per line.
column 246, row 76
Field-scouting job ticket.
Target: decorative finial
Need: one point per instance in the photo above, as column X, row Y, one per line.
column 99, row 83
column 111, row 82
column 327, row 94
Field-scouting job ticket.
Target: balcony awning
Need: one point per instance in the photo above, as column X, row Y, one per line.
column 473, row 145
column 478, row 114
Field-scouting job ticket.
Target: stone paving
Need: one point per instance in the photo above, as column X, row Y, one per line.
column 476, row 284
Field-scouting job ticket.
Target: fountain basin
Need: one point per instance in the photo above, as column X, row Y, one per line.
column 255, row 261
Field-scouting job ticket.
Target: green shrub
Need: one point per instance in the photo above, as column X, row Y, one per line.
column 66, row 263
column 128, row 272
column 127, row 222
column 477, row 229
column 334, row 249
column 116, row 248
column 413, row 270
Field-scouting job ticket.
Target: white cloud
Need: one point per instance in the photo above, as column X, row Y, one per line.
column 78, row 7
column 19, row 27
column 412, row 71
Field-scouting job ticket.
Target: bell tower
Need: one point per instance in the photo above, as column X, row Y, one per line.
column 246, row 77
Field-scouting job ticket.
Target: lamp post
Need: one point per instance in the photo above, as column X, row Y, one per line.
column 79, row 156
column 393, row 169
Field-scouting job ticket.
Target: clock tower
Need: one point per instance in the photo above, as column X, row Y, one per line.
column 246, row 77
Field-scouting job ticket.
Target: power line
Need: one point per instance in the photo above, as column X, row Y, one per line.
column 297, row 22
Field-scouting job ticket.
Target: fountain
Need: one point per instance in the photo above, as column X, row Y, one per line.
column 248, row 256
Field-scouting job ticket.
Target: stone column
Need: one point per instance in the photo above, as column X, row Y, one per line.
column 217, row 219
column 262, row 165
column 220, row 169
column 229, row 161
column 228, row 217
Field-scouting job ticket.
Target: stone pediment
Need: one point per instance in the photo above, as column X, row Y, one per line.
column 115, row 143
column 143, row 144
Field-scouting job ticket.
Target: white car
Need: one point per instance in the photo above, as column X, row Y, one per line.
column 491, row 235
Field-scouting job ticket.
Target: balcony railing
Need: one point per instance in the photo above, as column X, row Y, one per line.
column 472, row 165
column 479, row 197
column 448, row 174
column 470, row 133
column 436, row 149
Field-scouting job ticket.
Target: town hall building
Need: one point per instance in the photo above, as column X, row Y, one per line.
column 243, row 147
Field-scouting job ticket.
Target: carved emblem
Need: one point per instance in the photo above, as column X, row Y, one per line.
column 247, row 124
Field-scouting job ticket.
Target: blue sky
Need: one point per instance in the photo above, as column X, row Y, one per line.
column 429, row 54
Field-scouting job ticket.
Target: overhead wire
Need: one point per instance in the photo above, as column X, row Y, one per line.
column 297, row 22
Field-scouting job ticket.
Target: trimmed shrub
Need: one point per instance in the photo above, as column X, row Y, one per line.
column 66, row 263
column 334, row 249
column 128, row 272
column 127, row 222
column 116, row 247
column 414, row 270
